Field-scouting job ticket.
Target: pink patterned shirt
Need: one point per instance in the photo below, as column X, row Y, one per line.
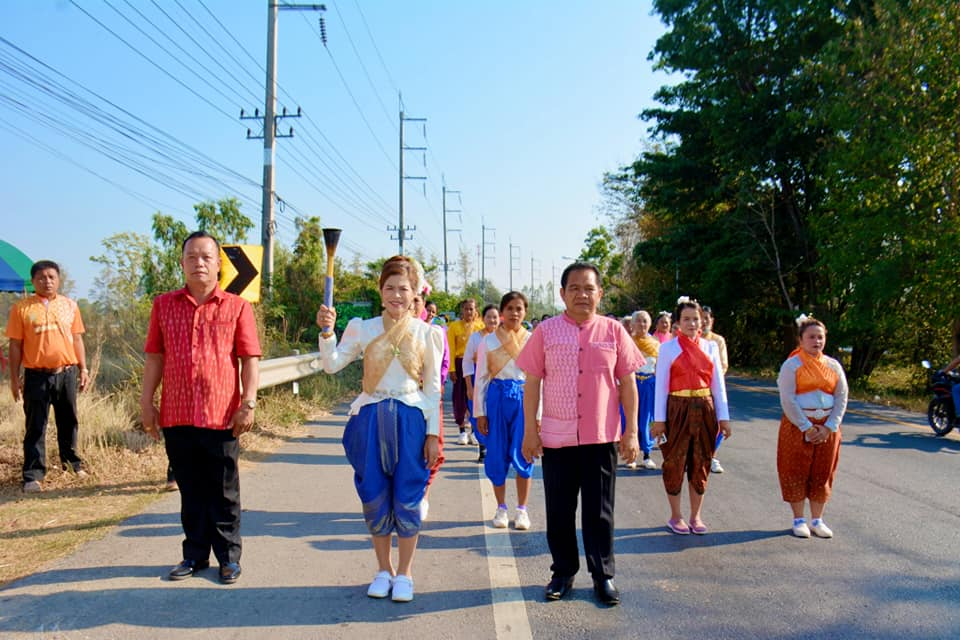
column 580, row 366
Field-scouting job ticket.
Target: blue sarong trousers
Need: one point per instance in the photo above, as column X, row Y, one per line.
column 505, row 435
column 384, row 445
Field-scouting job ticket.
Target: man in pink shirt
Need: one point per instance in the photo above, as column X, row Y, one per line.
column 584, row 363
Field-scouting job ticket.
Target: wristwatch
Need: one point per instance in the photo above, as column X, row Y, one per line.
column 250, row 404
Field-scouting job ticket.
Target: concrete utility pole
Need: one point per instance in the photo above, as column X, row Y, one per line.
column 400, row 229
column 515, row 260
column 446, row 263
column 270, row 122
column 483, row 260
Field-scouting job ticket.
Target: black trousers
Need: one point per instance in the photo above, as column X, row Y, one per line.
column 40, row 391
column 204, row 464
column 590, row 472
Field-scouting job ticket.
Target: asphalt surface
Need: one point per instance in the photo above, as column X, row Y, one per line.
column 891, row 571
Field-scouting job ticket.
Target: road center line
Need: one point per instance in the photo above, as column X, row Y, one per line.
column 509, row 607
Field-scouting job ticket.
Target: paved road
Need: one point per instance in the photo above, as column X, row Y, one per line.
column 892, row 571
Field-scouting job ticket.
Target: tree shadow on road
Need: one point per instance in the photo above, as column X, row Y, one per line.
column 902, row 440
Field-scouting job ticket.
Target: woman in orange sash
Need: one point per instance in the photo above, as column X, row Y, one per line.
column 690, row 407
column 813, row 395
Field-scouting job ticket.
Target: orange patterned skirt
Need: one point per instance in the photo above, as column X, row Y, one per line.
column 806, row 470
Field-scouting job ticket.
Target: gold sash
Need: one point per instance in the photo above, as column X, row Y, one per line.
column 511, row 344
column 395, row 342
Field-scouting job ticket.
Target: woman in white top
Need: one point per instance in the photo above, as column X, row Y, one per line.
column 391, row 437
column 498, row 403
column 491, row 320
column 813, row 395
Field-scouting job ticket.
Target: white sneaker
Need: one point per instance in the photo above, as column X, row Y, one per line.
column 632, row 465
column 648, row 463
column 521, row 520
column 501, row 519
column 472, row 439
column 715, row 466
column 32, row 486
column 463, row 438
column 380, row 587
column 820, row 529
column 800, row 528
column 402, row 588
column 424, row 509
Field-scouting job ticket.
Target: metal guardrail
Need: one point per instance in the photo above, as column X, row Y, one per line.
column 276, row 371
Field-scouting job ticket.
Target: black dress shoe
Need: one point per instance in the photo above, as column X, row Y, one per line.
column 229, row 572
column 606, row 591
column 187, row 568
column 558, row 587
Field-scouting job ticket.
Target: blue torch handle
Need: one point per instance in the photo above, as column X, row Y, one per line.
column 328, row 297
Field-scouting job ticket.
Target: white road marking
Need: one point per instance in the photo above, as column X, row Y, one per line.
column 509, row 608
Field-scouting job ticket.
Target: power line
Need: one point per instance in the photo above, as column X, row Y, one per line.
column 353, row 98
column 147, row 58
column 376, row 94
column 383, row 64
column 201, row 47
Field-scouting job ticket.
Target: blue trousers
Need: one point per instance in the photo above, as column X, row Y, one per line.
column 384, row 445
column 505, row 435
column 645, row 393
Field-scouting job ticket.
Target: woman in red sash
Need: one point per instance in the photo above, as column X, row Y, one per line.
column 813, row 395
column 690, row 408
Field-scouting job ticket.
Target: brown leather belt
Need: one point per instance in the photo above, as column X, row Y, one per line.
column 50, row 372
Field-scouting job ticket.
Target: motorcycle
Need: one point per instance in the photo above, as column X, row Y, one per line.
column 941, row 414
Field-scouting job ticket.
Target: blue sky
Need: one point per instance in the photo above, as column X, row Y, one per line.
column 527, row 105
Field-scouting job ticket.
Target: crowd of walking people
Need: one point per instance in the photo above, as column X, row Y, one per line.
column 579, row 391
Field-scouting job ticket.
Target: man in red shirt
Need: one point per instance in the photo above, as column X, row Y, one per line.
column 202, row 344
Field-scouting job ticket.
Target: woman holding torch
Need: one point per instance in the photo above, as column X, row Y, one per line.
column 391, row 437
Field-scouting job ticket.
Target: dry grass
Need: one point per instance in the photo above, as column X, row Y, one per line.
column 127, row 469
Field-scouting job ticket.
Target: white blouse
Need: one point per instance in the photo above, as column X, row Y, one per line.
column 816, row 404
column 669, row 351
column 469, row 364
column 481, row 380
column 396, row 382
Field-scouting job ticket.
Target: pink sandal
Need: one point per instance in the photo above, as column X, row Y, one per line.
column 678, row 526
column 698, row 527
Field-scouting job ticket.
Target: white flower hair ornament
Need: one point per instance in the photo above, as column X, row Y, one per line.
column 683, row 300
column 421, row 284
column 802, row 318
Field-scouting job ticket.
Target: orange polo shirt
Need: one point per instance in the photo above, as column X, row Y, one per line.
column 46, row 328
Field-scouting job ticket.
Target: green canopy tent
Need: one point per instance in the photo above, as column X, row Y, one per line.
column 14, row 269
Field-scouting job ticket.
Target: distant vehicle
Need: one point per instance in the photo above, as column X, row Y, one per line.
column 941, row 414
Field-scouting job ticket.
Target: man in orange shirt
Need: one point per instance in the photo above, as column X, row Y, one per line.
column 46, row 337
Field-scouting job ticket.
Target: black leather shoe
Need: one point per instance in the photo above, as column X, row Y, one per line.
column 558, row 587
column 186, row 568
column 606, row 591
column 229, row 572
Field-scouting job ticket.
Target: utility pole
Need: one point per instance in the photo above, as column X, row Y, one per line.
column 483, row 261
column 514, row 259
column 446, row 263
column 400, row 228
column 270, row 122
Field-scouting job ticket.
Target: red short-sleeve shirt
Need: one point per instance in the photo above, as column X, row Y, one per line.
column 201, row 345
